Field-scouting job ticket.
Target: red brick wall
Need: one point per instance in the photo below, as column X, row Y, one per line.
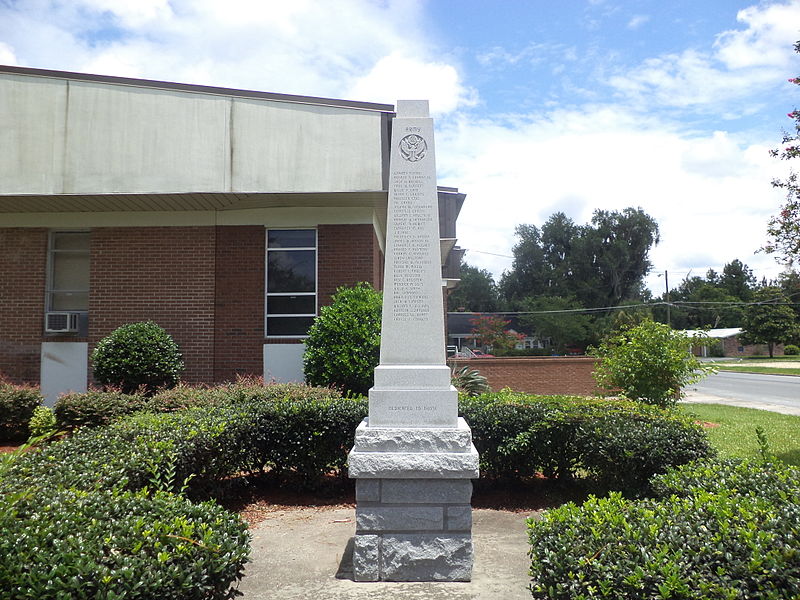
column 164, row 274
column 204, row 285
column 535, row 375
column 346, row 255
column 23, row 264
column 239, row 303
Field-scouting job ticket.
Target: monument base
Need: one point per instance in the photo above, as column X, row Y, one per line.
column 413, row 511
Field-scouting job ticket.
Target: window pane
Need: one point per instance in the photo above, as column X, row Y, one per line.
column 70, row 271
column 292, row 305
column 292, row 238
column 78, row 240
column 291, row 271
column 69, row 301
column 288, row 325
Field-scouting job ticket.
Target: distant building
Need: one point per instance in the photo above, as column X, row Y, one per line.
column 725, row 342
column 460, row 326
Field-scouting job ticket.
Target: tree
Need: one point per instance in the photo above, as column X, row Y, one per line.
column 769, row 320
column 737, row 280
column 563, row 328
column 601, row 263
column 783, row 229
column 476, row 292
column 491, row 331
column 650, row 362
column 343, row 345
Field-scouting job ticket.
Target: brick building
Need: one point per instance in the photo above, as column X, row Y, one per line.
column 226, row 216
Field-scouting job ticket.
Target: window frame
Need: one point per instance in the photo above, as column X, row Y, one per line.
column 268, row 294
column 52, row 251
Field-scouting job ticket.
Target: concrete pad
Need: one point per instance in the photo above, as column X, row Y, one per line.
column 307, row 553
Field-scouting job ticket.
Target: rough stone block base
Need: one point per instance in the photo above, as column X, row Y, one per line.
column 413, row 511
column 413, row 530
column 413, row 557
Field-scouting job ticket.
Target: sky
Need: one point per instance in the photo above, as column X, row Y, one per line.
column 539, row 105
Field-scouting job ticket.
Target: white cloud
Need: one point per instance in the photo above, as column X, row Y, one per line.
column 742, row 61
column 7, row 56
column 374, row 50
column 637, row 21
column 400, row 77
column 710, row 193
column 130, row 14
column 770, row 31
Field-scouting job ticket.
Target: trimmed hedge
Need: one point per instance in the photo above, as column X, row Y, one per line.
column 95, row 408
column 716, row 531
column 619, row 444
column 202, row 445
column 66, row 543
column 17, row 403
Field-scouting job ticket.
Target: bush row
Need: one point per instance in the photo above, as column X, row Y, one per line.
column 246, row 427
column 200, row 446
column 94, row 408
column 618, row 444
column 714, row 531
column 17, row 403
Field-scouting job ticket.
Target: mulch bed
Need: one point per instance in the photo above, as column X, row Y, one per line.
column 255, row 499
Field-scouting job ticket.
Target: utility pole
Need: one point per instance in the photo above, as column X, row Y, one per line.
column 666, row 297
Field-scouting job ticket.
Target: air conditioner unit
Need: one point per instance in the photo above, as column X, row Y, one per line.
column 61, row 322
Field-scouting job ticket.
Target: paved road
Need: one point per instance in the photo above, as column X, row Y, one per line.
column 770, row 392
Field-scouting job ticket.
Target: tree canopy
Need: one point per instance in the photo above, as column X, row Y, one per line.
column 601, row 263
column 769, row 320
column 476, row 292
column 783, row 229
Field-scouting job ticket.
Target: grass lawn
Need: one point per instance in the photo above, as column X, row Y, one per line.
column 735, row 435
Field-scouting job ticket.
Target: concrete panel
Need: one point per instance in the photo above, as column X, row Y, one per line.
column 127, row 139
column 283, row 147
column 284, row 362
column 32, row 117
column 65, row 367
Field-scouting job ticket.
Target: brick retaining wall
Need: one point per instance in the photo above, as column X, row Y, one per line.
column 537, row 375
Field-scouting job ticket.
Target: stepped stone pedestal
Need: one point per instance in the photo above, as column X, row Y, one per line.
column 413, row 457
column 413, row 493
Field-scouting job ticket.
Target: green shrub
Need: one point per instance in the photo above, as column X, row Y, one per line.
column 343, row 345
column 106, row 544
column 649, row 362
column 791, row 350
column 716, row 531
column 95, row 408
column 17, row 403
column 137, row 355
column 43, row 422
column 201, row 446
column 618, row 444
column 469, row 381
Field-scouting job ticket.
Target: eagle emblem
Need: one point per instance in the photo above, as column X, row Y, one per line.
column 413, row 147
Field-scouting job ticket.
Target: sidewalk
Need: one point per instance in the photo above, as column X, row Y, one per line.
column 305, row 553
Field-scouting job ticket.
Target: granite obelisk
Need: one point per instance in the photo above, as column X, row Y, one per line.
column 413, row 456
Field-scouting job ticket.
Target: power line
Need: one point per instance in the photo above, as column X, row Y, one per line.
column 678, row 304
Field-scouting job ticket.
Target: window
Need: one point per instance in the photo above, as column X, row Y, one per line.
column 291, row 281
column 68, row 271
